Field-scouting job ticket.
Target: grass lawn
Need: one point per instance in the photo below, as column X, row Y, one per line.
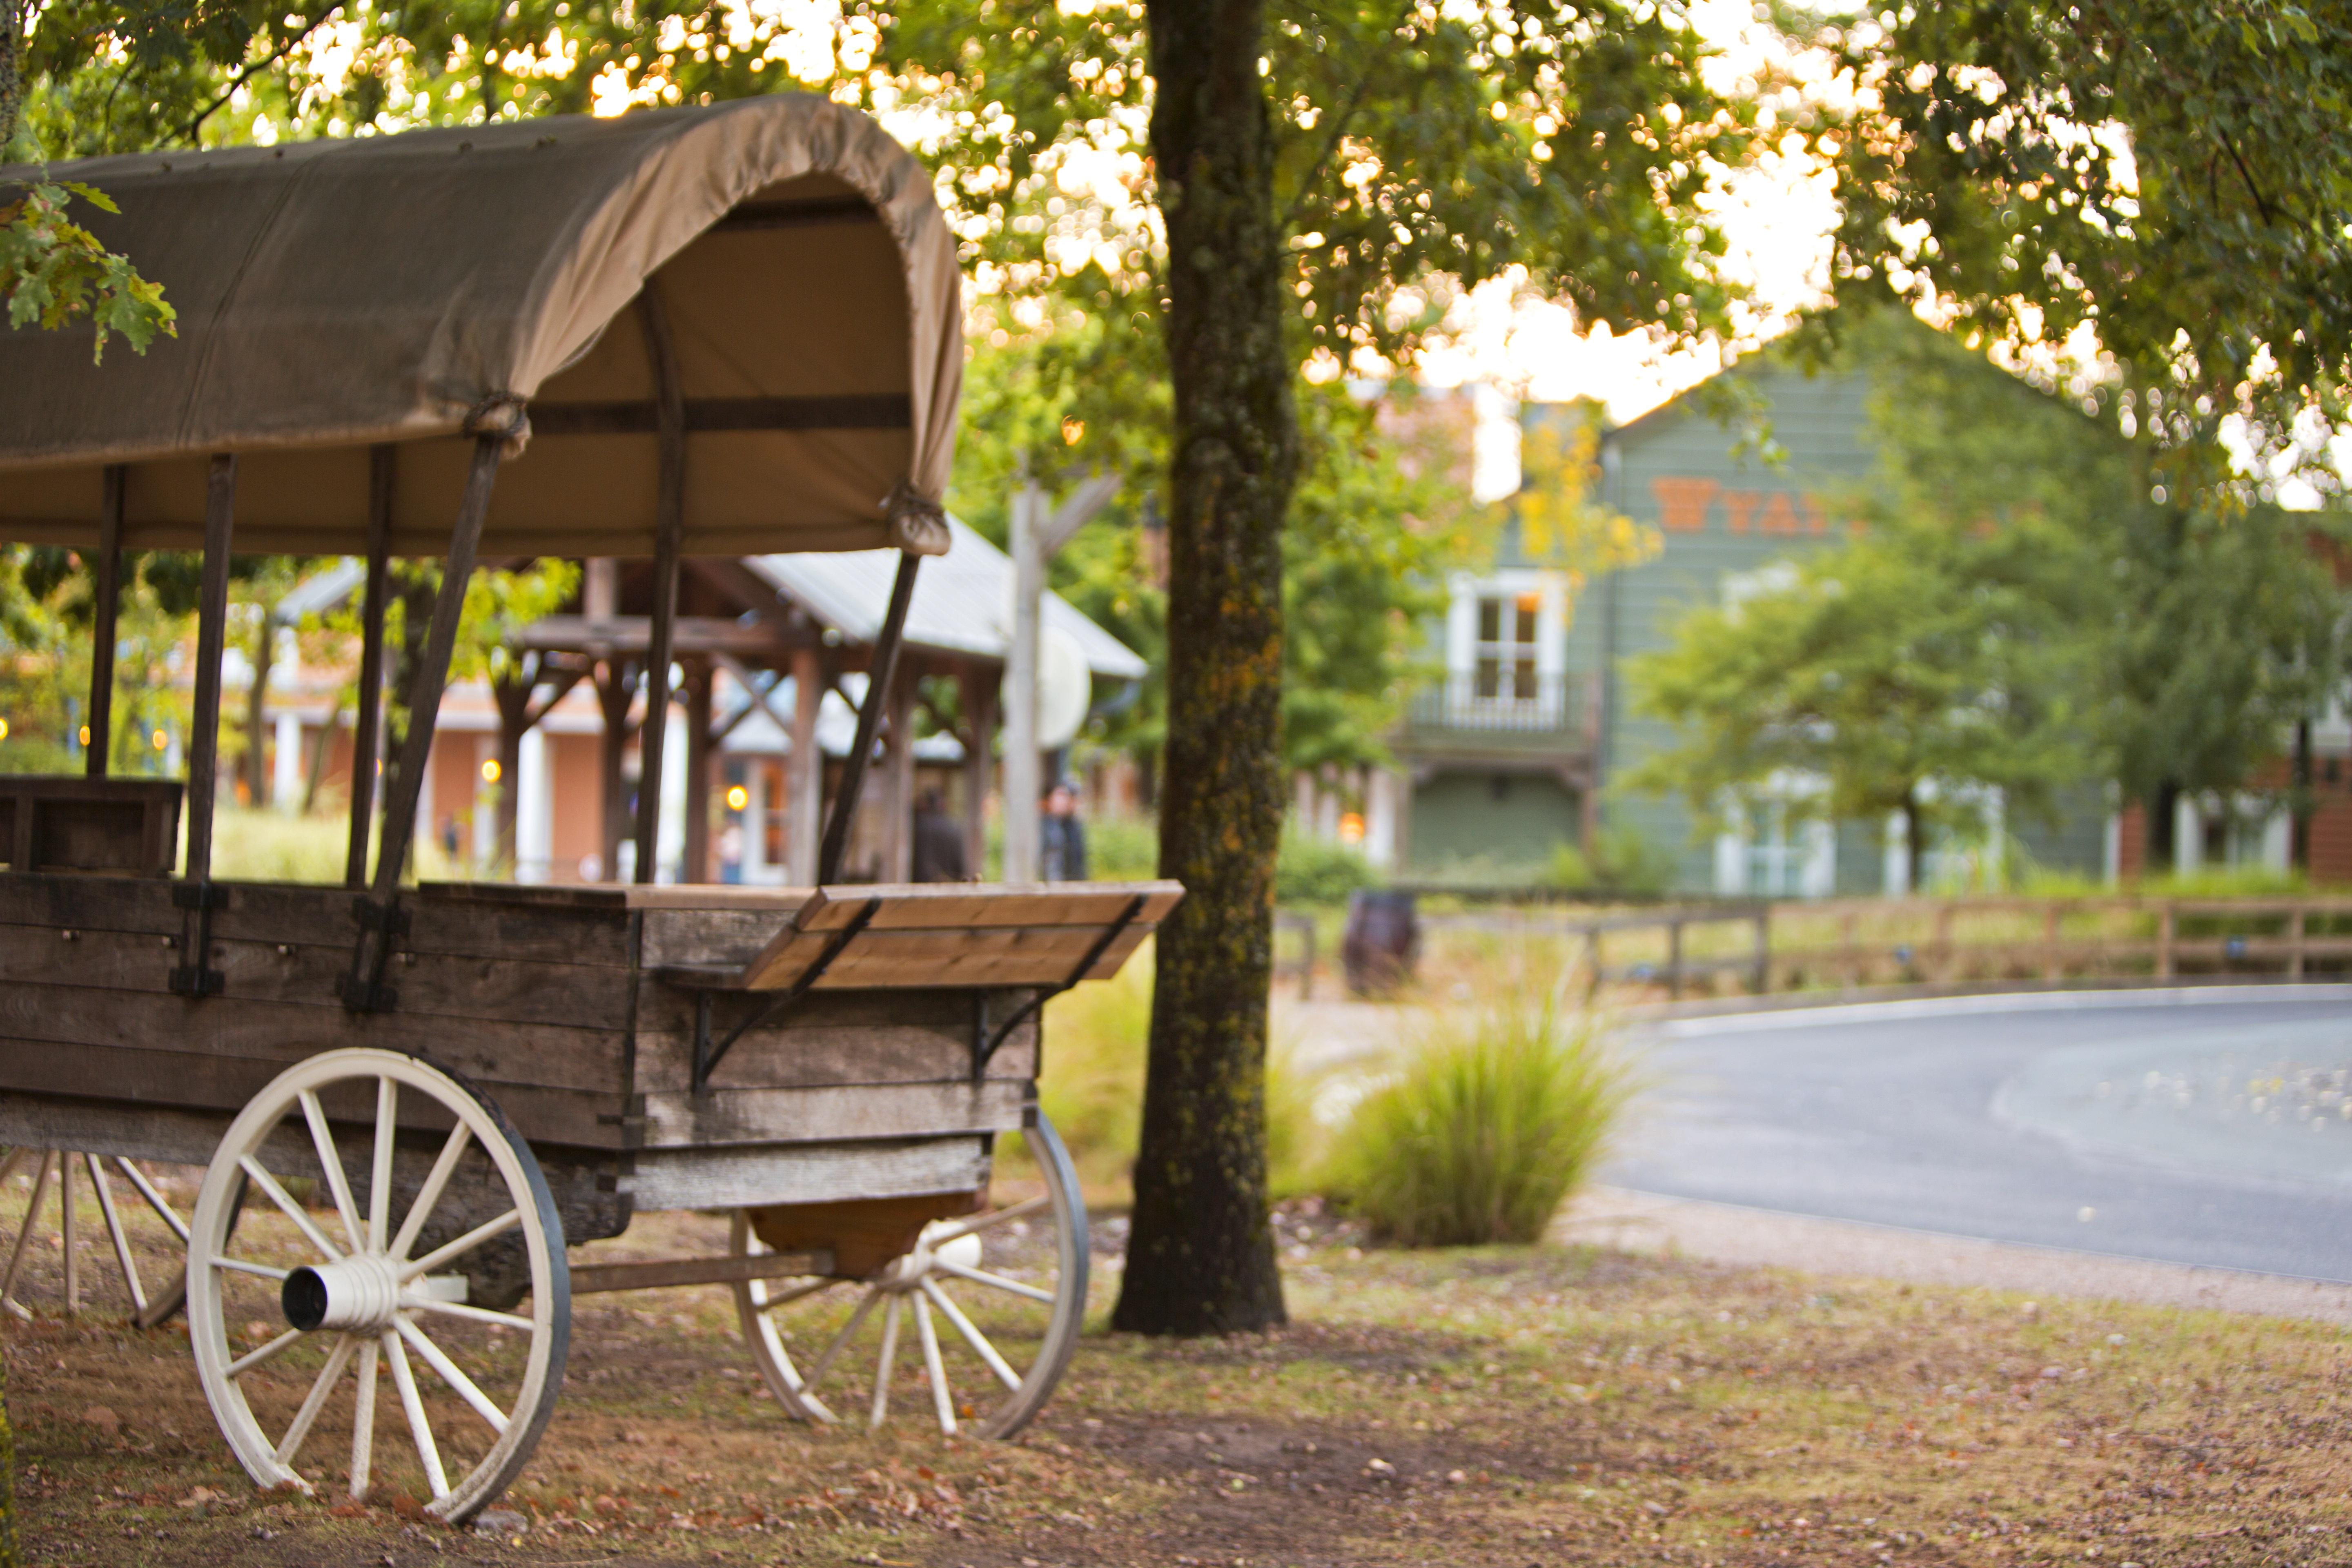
column 1549, row 1405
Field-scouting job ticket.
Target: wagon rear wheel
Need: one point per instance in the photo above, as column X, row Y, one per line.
column 382, row 1269
column 973, row 1327
column 60, row 1170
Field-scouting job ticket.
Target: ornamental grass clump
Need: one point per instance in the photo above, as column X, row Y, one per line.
column 1493, row 1120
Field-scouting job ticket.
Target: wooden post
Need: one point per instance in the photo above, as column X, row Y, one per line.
column 669, row 528
column 1944, row 955
column 108, row 591
column 898, row 785
column 2295, row 939
column 2053, row 961
column 383, row 466
column 1763, row 950
column 1848, row 925
column 804, row 794
column 979, row 703
column 696, row 868
column 433, row 668
column 1674, row 958
column 1022, row 774
column 879, row 672
column 2167, row 925
column 212, row 637
column 616, row 687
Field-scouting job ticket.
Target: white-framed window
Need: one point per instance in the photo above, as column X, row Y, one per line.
column 1506, row 648
column 1505, row 666
column 1771, row 847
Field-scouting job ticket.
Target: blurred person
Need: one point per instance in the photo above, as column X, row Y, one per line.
column 1061, row 837
column 939, row 842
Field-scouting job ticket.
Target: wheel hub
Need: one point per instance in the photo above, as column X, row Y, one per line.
column 908, row 1272
column 358, row 1295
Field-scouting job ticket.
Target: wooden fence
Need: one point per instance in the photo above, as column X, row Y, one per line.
column 1798, row 945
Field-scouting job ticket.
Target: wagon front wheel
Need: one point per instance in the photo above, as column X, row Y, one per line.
column 394, row 1224
column 992, row 1301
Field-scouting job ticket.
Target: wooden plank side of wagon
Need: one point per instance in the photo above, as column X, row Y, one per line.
column 830, row 1037
column 274, row 913
column 468, row 990
column 851, row 1112
column 139, row 1044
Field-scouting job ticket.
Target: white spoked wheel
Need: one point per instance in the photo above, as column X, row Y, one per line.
column 996, row 1300
column 306, row 1298
column 56, row 1168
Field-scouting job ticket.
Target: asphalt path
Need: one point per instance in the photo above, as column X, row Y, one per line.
column 2209, row 1127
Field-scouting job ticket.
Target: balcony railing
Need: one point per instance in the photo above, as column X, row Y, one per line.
column 1552, row 715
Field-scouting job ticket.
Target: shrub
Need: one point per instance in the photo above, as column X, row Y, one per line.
column 1122, row 848
column 1493, row 1121
column 1318, row 871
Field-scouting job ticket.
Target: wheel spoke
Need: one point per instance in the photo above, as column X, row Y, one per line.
column 387, row 1106
column 154, row 1199
column 982, row 1222
column 415, row 1303
column 994, row 1281
column 450, row 1374
column 429, row 1193
column 463, row 1245
column 331, row 1161
column 242, row 1267
column 420, row 1430
column 889, row 1353
column 316, row 1400
column 251, row 1359
column 25, row 1231
column 973, row 1337
column 114, row 1232
column 286, row 1205
column 841, row 1337
column 364, row 1422
column 942, row 1403
column 786, row 1298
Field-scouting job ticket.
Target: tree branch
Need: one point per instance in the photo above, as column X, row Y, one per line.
column 1339, row 120
column 236, row 82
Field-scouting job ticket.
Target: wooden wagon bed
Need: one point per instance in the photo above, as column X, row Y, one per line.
column 577, row 1010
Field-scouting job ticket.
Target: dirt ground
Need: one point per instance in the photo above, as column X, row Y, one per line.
column 1556, row 1405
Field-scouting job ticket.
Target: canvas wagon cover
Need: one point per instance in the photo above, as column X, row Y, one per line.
column 337, row 294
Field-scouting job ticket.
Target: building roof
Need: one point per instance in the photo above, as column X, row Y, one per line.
column 963, row 601
column 339, row 294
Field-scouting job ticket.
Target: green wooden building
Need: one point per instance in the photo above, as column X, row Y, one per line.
column 1511, row 752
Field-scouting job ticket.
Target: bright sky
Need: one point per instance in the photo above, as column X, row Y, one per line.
column 1777, row 217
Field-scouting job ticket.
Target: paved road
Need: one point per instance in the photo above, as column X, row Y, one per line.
column 2212, row 1129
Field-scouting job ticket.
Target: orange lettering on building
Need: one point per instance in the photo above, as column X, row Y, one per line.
column 1779, row 516
column 1681, row 503
column 1817, row 516
column 1739, row 506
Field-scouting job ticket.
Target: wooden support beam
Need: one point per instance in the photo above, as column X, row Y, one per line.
column 107, row 590
column 669, row 530
column 977, row 695
column 384, row 465
column 598, row 1279
column 695, row 867
column 212, row 641
column 713, row 635
column 879, row 672
column 616, row 688
column 805, row 802
column 898, row 785
column 432, row 666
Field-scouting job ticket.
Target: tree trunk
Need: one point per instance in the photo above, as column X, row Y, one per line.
column 12, row 102
column 2163, row 828
column 1202, row 1257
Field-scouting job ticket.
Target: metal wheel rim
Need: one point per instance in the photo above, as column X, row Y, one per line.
column 897, row 1315
column 363, row 1352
